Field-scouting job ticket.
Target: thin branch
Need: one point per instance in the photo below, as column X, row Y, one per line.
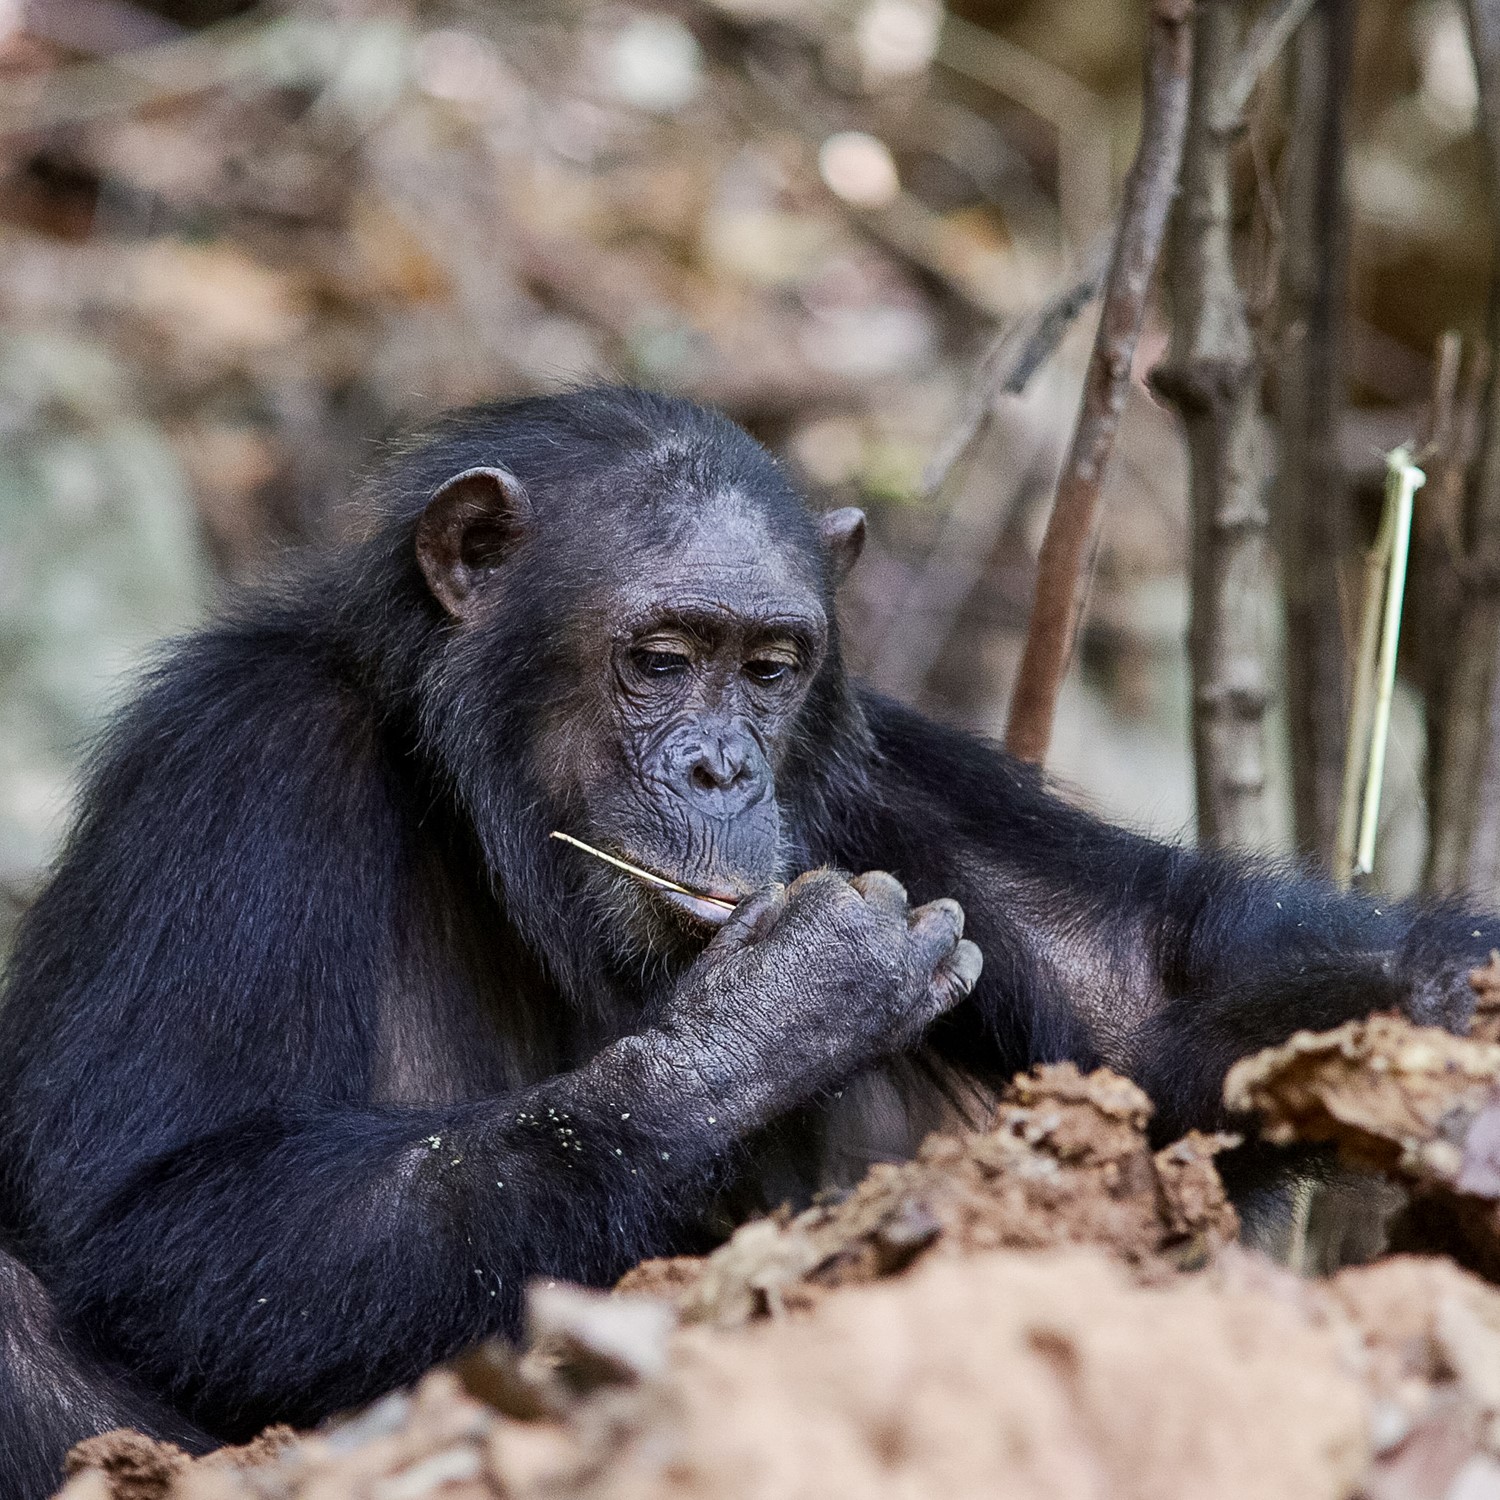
column 1271, row 32
column 1211, row 377
column 1441, row 433
column 1375, row 672
column 1310, row 506
column 1006, row 368
column 1465, row 853
column 1403, row 480
column 922, row 623
column 1070, row 530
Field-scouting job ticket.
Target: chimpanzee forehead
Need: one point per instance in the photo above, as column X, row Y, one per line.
column 723, row 555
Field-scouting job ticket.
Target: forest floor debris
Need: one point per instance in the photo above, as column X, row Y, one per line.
column 1065, row 1162
column 1414, row 1102
column 1055, row 1370
column 1047, row 1303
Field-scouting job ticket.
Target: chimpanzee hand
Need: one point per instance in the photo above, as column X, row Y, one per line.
column 1432, row 968
column 804, row 985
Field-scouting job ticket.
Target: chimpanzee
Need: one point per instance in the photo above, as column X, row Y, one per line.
column 318, row 1047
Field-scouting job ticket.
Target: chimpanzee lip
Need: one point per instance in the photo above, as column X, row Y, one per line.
column 710, row 912
column 705, row 903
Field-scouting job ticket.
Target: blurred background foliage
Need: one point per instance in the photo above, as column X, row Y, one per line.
column 239, row 245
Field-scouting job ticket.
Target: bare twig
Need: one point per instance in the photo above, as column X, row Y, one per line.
column 1309, row 498
column 1272, row 30
column 1403, row 480
column 1375, row 683
column 1465, row 852
column 1006, row 368
column 1441, row 435
column 923, row 622
column 649, row 877
column 1070, row 530
column 1361, row 710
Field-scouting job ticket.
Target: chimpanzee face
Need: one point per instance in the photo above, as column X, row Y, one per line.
column 682, row 666
column 706, row 649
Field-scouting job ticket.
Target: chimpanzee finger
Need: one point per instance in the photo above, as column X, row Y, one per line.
column 959, row 973
column 816, row 895
column 753, row 918
column 935, row 929
column 954, row 977
column 882, row 892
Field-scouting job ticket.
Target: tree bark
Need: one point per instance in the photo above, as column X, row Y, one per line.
column 1210, row 376
column 1310, row 500
column 1465, row 852
column 1070, row 537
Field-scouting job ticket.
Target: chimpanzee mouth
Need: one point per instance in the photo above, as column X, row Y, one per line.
column 711, row 909
column 714, row 906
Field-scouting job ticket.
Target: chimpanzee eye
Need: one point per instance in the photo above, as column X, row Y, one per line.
column 767, row 670
column 659, row 663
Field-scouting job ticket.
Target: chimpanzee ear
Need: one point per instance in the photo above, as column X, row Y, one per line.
column 843, row 533
column 469, row 526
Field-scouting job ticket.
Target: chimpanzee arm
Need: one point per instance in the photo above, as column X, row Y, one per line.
column 1103, row 945
column 285, row 1266
column 189, row 1154
column 293, row 1265
column 1249, row 952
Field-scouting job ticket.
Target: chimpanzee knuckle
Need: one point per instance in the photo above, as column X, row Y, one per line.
column 944, row 914
column 812, row 900
column 960, row 973
column 874, row 945
column 935, row 931
column 881, row 891
column 814, row 885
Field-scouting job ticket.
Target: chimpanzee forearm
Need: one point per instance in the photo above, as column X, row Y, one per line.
column 210, row 1272
column 1248, row 953
column 1168, row 963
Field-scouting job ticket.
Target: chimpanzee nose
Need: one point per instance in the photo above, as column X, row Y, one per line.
column 721, row 772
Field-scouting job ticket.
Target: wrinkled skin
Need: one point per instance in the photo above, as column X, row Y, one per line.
column 804, row 985
column 705, row 656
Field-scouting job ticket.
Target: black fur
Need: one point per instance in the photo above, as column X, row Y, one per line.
column 285, row 1111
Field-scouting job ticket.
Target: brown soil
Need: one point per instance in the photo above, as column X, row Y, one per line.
column 1414, row 1102
column 1065, row 1162
column 132, row 1467
column 1013, row 1312
column 1386, row 1091
column 1054, row 1374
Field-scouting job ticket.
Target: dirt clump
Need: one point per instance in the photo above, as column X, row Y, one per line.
column 1415, row 1102
column 1384, row 1090
column 1054, row 1374
column 1042, row 1375
column 130, row 1466
column 1065, row 1161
